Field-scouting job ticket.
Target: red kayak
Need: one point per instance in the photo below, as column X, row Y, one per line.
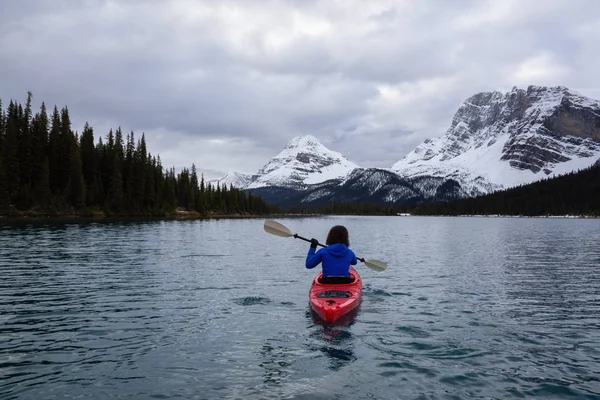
column 332, row 301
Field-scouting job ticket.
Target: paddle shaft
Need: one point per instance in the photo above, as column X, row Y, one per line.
column 322, row 245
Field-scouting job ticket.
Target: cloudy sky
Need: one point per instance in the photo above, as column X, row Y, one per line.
column 226, row 84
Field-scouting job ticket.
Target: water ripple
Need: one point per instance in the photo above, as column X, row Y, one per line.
column 469, row 308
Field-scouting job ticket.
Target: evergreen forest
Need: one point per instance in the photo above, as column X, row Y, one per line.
column 349, row 208
column 576, row 193
column 48, row 169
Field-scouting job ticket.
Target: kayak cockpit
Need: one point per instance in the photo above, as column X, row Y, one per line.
column 334, row 294
column 337, row 280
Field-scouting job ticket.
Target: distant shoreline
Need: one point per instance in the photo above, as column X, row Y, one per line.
column 503, row 216
column 192, row 215
column 177, row 215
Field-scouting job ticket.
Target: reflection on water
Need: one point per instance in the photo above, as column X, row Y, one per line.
column 334, row 340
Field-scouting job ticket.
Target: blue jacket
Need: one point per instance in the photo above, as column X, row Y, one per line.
column 336, row 259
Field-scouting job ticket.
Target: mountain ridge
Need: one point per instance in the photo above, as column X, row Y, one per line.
column 495, row 141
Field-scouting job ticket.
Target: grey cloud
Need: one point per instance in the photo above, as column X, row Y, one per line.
column 258, row 73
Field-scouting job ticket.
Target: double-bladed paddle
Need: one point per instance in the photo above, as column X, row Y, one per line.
column 275, row 228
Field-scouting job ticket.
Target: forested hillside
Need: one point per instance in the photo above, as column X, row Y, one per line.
column 48, row 169
column 577, row 193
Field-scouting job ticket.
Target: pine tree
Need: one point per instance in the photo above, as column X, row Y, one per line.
column 113, row 176
column 11, row 152
column 129, row 172
column 65, row 143
column 100, row 175
column 54, row 153
column 119, row 144
column 201, row 202
column 39, row 143
column 158, row 185
column 139, row 178
column 89, row 164
column 149, row 186
column 76, row 184
column 25, row 161
column 194, row 189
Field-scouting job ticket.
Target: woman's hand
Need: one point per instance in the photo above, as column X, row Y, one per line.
column 314, row 243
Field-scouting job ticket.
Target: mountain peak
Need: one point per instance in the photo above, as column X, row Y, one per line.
column 304, row 160
column 236, row 179
column 306, row 141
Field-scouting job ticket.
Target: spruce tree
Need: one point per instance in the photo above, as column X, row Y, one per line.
column 149, row 186
column 39, row 143
column 25, row 147
column 101, row 183
column 139, row 177
column 194, row 189
column 11, row 152
column 119, row 144
column 89, row 164
column 76, row 185
column 65, row 143
column 158, row 184
column 54, row 153
column 128, row 172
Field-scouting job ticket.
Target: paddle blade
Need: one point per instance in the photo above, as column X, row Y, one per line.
column 275, row 228
column 376, row 265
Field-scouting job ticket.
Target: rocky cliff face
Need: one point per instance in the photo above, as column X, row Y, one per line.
column 501, row 140
column 564, row 126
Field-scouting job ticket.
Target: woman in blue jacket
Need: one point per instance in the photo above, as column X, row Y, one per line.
column 336, row 257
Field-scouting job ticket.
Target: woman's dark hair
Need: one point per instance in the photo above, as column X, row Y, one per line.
column 338, row 234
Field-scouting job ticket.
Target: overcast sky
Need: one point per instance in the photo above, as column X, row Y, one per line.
column 226, row 84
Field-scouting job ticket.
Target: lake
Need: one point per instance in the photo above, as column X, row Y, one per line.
column 468, row 308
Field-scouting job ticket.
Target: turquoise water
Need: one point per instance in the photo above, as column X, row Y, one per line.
column 468, row 308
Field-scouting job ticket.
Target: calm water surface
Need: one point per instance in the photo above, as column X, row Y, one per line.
column 468, row 308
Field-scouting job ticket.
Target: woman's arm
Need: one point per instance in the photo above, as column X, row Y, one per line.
column 353, row 261
column 313, row 258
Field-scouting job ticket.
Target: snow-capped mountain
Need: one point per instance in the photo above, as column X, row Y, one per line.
column 304, row 161
column 502, row 140
column 233, row 178
column 495, row 141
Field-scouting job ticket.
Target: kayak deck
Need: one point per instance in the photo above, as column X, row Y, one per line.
column 331, row 301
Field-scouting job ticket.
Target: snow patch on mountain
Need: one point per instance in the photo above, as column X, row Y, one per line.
column 303, row 161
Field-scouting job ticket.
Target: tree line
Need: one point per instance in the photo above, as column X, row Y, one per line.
column 47, row 168
column 349, row 208
column 576, row 193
